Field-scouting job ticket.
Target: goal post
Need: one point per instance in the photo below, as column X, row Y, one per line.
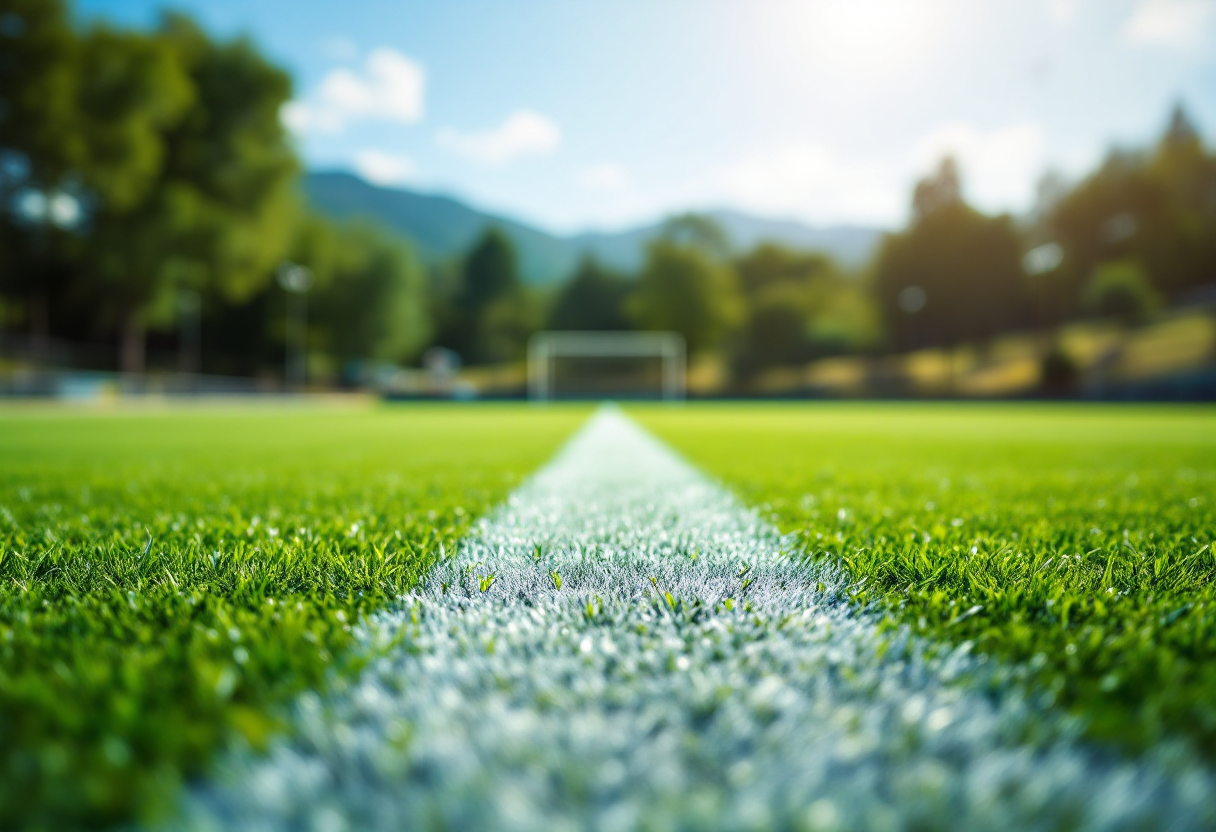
column 545, row 349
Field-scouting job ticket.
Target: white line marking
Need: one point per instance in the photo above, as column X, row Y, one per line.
column 601, row 706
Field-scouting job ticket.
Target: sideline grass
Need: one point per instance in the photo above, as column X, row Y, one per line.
column 168, row 578
column 1074, row 540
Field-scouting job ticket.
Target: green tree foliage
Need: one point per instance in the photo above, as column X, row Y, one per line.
column 774, row 332
column 490, row 272
column 233, row 153
column 957, row 271
column 847, row 323
column 138, row 165
column 219, row 212
column 782, row 288
column 491, row 314
column 1183, row 248
column 79, row 116
column 488, row 314
column 682, row 289
column 697, row 231
column 371, row 301
column 506, row 325
column 1120, row 289
column 1158, row 207
column 132, row 88
column 37, row 90
column 798, row 307
column 169, row 141
column 593, row 299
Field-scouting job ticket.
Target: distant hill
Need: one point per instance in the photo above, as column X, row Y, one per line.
column 442, row 228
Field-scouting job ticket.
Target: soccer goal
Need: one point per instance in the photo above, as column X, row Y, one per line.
column 606, row 365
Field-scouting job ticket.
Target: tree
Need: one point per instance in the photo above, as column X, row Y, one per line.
column 490, row 271
column 770, row 264
column 506, row 325
column 37, row 95
column 847, row 323
column 782, row 289
column 1101, row 217
column 799, row 307
column 232, row 158
column 682, row 290
column 172, row 148
column 699, row 232
column 220, row 212
column 940, row 191
column 774, row 332
column 490, row 317
column 593, row 299
column 131, row 90
column 1157, row 207
column 954, row 275
column 40, row 150
column 1181, row 249
column 371, row 300
column 1120, row 289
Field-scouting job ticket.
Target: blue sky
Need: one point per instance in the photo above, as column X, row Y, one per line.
column 604, row 113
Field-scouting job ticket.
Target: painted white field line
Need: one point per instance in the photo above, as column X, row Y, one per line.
column 623, row 646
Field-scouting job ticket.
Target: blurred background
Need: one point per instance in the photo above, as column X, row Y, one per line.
column 893, row 198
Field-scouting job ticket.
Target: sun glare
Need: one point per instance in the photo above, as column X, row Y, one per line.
column 871, row 38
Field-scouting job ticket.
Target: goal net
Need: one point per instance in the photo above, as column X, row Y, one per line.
column 606, row 365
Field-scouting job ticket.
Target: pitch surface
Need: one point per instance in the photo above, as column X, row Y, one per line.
column 623, row 645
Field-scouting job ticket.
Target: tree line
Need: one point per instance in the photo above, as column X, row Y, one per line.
column 146, row 176
column 1136, row 233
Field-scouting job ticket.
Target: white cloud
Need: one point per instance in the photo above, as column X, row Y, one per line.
column 820, row 184
column 808, row 181
column 524, row 133
column 390, row 86
column 1169, row 22
column 604, row 177
column 999, row 167
column 381, row 168
column 300, row 117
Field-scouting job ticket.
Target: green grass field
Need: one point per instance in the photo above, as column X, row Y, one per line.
column 169, row 579
column 1072, row 542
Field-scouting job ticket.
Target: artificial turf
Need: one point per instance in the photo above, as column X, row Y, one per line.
column 170, row 579
column 1072, row 542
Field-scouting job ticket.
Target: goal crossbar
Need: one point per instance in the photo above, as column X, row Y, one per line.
column 545, row 347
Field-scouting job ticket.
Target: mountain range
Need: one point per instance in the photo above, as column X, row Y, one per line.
column 442, row 227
